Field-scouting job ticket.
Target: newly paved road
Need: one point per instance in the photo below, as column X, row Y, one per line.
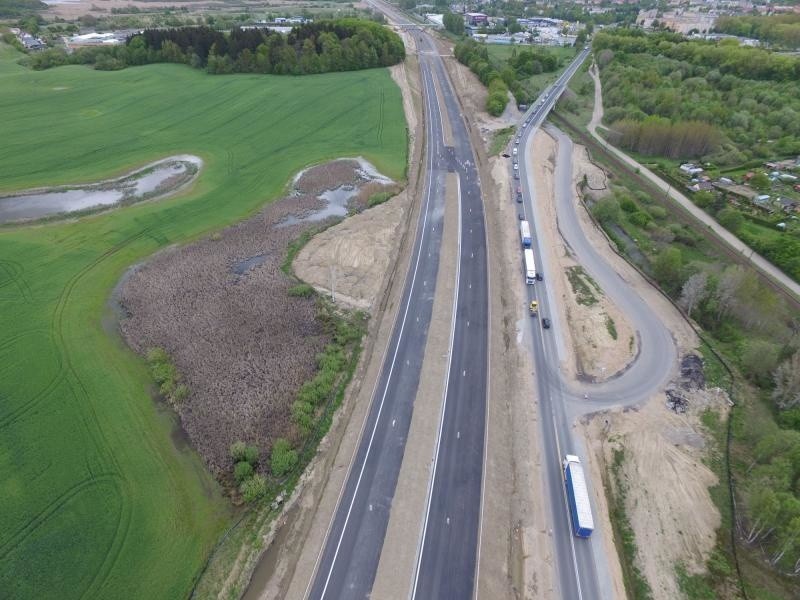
column 348, row 562
column 447, row 559
column 581, row 564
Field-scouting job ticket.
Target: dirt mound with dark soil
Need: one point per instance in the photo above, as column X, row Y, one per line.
column 221, row 308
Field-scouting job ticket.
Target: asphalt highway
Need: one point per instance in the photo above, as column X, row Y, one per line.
column 580, row 563
column 348, row 561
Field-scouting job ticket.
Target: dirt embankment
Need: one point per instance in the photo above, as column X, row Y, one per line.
column 221, row 308
column 601, row 342
column 665, row 482
column 351, row 259
column 662, row 471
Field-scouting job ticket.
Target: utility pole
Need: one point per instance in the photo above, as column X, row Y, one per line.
column 333, row 283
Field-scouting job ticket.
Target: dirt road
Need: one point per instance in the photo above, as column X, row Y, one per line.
column 758, row 261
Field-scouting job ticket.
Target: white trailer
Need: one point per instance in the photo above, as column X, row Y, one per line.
column 530, row 267
column 525, row 234
column 578, row 497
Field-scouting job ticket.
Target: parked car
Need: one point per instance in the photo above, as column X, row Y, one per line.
column 519, row 197
column 546, row 323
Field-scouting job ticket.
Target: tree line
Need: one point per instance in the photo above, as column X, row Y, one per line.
column 320, row 47
column 510, row 74
column 661, row 137
column 726, row 56
column 476, row 57
column 780, row 30
column 663, row 75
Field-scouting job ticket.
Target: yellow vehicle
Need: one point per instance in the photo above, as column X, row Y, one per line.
column 534, row 308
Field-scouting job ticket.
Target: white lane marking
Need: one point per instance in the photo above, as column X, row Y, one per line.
column 383, row 398
column 569, row 516
column 432, row 478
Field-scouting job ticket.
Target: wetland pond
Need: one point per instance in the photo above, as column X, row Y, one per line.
column 156, row 180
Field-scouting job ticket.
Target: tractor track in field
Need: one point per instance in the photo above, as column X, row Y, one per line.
column 67, row 372
column 37, row 520
column 380, row 117
column 14, row 271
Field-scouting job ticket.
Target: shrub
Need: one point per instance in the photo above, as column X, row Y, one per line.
column 237, row 451
column 378, row 198
column 301, row 290
column 284, row 457
column 606, row 210
column 628, row 205
column 639, row 218
column 241, row 452
column 303, row 415
column 181, row 392
column 242, row 471
column 251, row 455
column 253, row 488
column 731, row 219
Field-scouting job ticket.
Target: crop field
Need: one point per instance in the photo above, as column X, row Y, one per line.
column 100, row 497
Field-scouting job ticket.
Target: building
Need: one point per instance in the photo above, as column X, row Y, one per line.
column 476, row 19
column 97, row 39
column 679, row 21
column 437, row 20
column 691, row 169
column 30, row 42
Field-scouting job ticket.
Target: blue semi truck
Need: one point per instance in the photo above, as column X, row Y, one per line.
column 580, row 511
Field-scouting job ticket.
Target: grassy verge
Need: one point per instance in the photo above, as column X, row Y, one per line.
column 635, row 584
column 83, row 442
column 583, row 286
column 500, row 140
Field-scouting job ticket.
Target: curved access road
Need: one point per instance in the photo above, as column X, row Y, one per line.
column 758, row 261
column 581, row 564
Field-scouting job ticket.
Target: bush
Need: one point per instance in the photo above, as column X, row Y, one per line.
column 241, row 452
column 284, row 457
column 606, row 210
column 639, row 218
column 378, row 198
column 237, row 451
column 242, row 471
column 251, row 455
column 731, row 219
column 253, row 488
column 181, row 392
column 628, row 205
column 301, row 290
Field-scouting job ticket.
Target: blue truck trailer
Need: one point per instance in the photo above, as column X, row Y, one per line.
column 578, row 497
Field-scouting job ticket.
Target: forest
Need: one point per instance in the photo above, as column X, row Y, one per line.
column 320, row 47
column 19, row 8
column 520, row 65
column 717, row 101
column 779, row 30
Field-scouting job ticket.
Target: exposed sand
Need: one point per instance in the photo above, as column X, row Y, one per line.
column 353, row 257
column 595, row 352
column 668, row 503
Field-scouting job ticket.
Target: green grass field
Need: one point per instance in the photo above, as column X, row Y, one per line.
column 99, row 497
